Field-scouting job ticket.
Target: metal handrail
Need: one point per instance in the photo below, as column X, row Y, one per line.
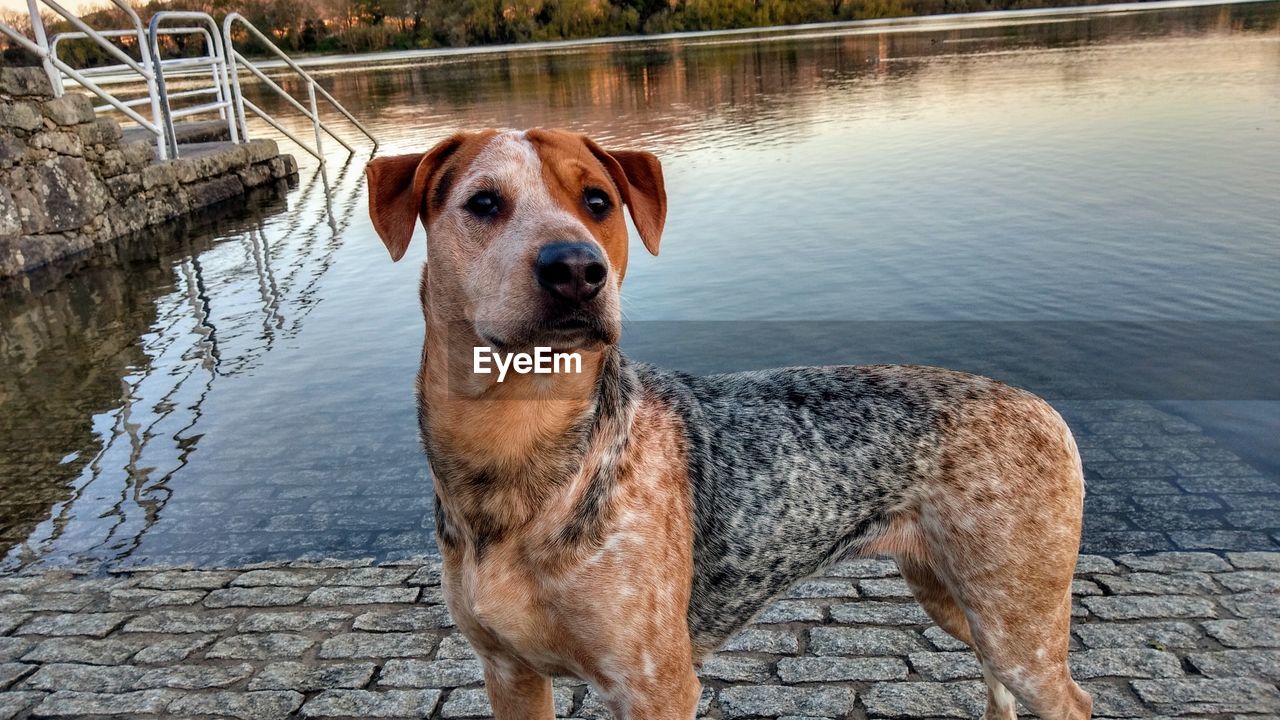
column 108, row 70
column 103, row 69
column 313, row 114
column 53, row 65
column 221, row 58
column 215, row 59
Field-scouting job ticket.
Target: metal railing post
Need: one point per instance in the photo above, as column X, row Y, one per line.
column 161, row 96
column 315, row 119
column 233, row 74
column 42, row 41
column 166, row 146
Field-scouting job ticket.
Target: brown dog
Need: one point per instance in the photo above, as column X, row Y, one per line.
column 618, row 523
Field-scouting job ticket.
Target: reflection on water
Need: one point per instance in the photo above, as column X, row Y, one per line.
column 242, row 389
column 106, row 372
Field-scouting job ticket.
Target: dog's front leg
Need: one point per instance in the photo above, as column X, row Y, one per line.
column 670, row 693
column 517, row 691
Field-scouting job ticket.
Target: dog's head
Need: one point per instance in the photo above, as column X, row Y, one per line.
column 525, row 235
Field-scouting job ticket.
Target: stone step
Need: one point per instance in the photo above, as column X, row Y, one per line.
column 194, row 131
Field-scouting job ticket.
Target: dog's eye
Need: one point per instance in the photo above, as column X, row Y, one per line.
column 597, row 201
column 484, row 204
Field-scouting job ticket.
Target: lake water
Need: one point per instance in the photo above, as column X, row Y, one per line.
column 1086, row 206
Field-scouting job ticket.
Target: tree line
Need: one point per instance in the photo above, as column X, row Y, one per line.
column 345, row 26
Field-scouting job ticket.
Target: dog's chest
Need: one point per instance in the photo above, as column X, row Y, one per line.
column 502, row 607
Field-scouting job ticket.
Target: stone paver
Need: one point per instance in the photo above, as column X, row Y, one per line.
column 1159, row 635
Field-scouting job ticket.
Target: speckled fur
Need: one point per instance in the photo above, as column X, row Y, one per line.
column 620, row 524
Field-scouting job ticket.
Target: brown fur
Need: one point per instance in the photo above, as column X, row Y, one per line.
column 614, row 612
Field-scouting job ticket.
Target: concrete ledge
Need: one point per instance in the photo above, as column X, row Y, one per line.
column 1179, row 633
column 70, row 181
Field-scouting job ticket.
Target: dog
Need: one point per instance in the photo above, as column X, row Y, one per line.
column 619, row 523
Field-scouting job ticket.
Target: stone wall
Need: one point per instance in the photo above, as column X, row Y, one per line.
column 70, row 181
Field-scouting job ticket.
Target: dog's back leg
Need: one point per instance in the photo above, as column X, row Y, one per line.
column 936, row 599
column 1007, row 565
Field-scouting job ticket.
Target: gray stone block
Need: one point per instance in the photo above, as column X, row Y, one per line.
column 91, row 624
column 187, row 580
column 101, row 131
column 431, row 617
column 11, row 672
column 85, row 678
column 946, row 666
column 735, row 668
column 1166, row 583
column 180, row 621
column 1260, row 664
column 195, row 677
column 260, row 646
column 306, row 677
column 789, row 611
column 371, row 704
column 22, row 81
column 254, row 597
column 1164, row 562
column 1124, row 662
column 775, row 700
column 863, row 568
column 473, row 703
column 1253, row 633
column 430, row 673
column 70, row 109
column 943, row 640
column 1253, row 605
column 774, row 642
column 278, row 577
column 12, row 648
column 817, row 588
column 14, row 702
column 20, row 115
column 1139, row 607
column 862, row 641
column 1255, row 560
column 1164, row 634
column 1193, row 696
column 1250, row 581
column 329, row 596
column 276, row 705
column 295, row 621
column 69, row 703
column 879, row 613
column 455, row 647
column 885, row 588
column 925, row 699
column 172, row 650
column 111, row 651
column 370, row 576
column 378, row 645
column 839, row 669
column 142, row 599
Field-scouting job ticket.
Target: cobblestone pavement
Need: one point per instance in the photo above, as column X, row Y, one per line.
column 1185, row 634
column 1157, row 482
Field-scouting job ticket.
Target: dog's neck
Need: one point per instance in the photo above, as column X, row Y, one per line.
column 506, row 453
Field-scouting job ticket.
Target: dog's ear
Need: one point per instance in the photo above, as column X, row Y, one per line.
column 638, row 175
column 398, row 192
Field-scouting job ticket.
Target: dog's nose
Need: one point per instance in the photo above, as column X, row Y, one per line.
column 572, row 271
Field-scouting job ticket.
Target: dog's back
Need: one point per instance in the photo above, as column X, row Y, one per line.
column 794, row 468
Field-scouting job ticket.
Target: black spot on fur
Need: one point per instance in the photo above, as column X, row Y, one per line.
column 441, row 193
